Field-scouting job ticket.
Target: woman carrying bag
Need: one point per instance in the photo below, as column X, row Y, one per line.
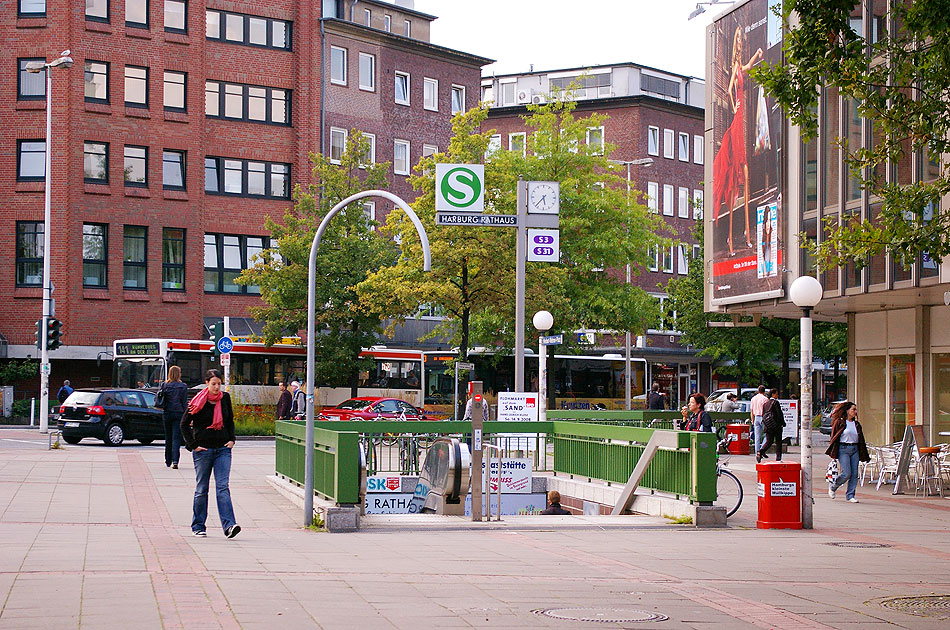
column 848, row 447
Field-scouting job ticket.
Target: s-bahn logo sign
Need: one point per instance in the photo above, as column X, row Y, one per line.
column 460, row 187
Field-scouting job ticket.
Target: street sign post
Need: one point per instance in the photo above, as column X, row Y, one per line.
column 469, row 218
column 225, row 359
column 466, row 366
column 225, row 345
column 551, row 340
column 544, row 245
column 460, row 187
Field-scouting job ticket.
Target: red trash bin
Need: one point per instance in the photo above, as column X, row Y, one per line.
column 780, row 495
column 740, row 444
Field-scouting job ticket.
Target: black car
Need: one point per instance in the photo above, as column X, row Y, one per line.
column 111, row 415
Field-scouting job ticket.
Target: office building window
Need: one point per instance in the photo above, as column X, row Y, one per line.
column 668, row 259
column 175, row 90
column 236, row 28
column 401, row 157
column 31, row 86
column 653, row 196
column 226, row 256
column 134, row 256
column 32, row 8
column 508, row 93
column 668, row 143
column 684, row 147
column 136, row 86
column 698, row 149
column 95, row 162
column 212, row 98
column 337, row 65
column 595, row 140
column 653, row 254
column 369, row 157
column 257, row 31
column 698, row 204
column 367, row 17
column 97, row 10
column 429, row 149
column 430, row 94
column 173, row 259
column 388, row 23
column 94, row 251
column 369, row 210
column 135, row 169
column 682, row 263
column 367, row 72
column 173, row 169
column 683, row 203
column 176, row 16
column 96, row 80
column 337, row 144
column 136, row 13
column 29, row 253
column 408, row 28
column 402, row 88
column 494, row 146
column 458, row 99
column 245, row 177
column 516, row 142
column 250, row 103
column 653, row 140
column 31, row 160
column 667, row 200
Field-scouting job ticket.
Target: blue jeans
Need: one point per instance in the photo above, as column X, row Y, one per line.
column 847, row 469
column 758, row 427
column 219, row 461
column 172, row 437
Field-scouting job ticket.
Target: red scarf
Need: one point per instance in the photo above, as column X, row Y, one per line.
column 199, row 401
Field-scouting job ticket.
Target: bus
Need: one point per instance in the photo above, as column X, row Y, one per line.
column 256, row 368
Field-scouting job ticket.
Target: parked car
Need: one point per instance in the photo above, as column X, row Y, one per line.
column 371, row 408
column 715, row 399
column 825, row 426
column 111, row 415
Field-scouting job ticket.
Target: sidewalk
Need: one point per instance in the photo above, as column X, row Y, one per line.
column 96, row 537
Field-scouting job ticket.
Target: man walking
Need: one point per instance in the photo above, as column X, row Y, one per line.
column 774, row 421
column 284, row 403
column 756, row 409
column 656, row 400
column 64, row 392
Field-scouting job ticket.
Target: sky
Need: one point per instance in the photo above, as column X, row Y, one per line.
column 553, row 34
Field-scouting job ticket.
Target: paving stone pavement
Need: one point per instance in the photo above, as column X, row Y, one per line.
column 99, row 537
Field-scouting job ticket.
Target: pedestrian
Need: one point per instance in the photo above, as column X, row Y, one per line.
column 208, row 430
column 756, row 409
column 848, row 447
column 468, row 409
column 173, row 399
column 554, row 505
column 656, row 400
column 729, row 405
column 298, row 408
column 284, row 403
column 64, row 392
column 774, row 421
column 695, row 416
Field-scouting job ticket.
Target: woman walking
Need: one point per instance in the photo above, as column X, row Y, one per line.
column 208, row 430
column 848, row 447
column 174, row 395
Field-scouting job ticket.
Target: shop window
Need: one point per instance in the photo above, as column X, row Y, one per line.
column 903, row 384
column 871, row 398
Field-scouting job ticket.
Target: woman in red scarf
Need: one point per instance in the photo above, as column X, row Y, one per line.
column 208, row 431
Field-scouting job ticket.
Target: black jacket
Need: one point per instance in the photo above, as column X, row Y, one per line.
column 555, row 508
column 176, row 397
column 772, row 416
column 284, row 403
column 196, row 429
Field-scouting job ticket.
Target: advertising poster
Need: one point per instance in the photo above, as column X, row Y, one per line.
column 518, row 406
column 515, row 476
column 745, row 207
column 790, row 413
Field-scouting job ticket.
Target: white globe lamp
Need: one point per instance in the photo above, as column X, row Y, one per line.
column 543, row 320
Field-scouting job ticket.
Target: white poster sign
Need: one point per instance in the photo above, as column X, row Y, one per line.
column 388, row 503
column 783, row 489
column 544, row 245
column 460, row 187
column 517, row 406
column 790, row 409
column 515, row 476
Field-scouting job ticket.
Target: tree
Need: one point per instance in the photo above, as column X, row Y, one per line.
column 830, row 342
column 905, row 97
column 473, row 269
column 351, row 248
column 13, row 371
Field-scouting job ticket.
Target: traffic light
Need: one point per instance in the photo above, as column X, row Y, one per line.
column 39, row 338
column 217, row 331
column 53, row 333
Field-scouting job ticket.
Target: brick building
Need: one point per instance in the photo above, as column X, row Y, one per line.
column 651, row 114
column 181, row 127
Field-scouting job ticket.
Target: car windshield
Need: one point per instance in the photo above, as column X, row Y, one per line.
column 353, row 404
column 77, row 399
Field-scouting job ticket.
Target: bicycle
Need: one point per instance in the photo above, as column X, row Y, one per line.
column 728, row 488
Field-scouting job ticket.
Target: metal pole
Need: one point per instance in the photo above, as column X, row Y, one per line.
column 227, row 368
column 477, row 471
column 32, row 412
column 627, row 372
column 44, row 350
column 312, row 327
column 520, row 256
column 806, row 345
column 455, row 393
column 542, row 381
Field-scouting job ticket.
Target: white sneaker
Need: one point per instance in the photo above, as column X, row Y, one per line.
column 853, row 500
column 831, row 491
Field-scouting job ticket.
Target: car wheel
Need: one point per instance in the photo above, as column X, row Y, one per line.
column 114, row 434
column 146, row 441
column 72, row 439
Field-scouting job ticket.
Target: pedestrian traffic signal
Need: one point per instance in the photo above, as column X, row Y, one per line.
column 217, row 331
column 39, row 336
column 53, row 333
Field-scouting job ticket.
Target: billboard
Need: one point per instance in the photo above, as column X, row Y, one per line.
column 745, row 209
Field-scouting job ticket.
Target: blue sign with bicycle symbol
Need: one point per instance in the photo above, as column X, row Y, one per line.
column 225, row 345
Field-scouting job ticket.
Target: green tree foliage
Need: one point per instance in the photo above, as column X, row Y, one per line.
column 13, row 371
column 472, row 280
column 900, row 84
column 350, row 249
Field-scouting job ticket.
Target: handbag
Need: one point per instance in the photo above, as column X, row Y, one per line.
column 160, row 398
column 832, row 473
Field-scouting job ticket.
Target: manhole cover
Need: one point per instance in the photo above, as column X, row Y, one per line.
column 920, row 605
column 600, row 615
column 850, row 544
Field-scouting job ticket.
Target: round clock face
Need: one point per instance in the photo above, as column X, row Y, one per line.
column 542, row 198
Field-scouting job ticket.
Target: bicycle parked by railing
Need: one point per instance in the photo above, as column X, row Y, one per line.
column 728, row 488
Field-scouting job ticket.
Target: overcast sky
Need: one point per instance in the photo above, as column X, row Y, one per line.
column 555, row 34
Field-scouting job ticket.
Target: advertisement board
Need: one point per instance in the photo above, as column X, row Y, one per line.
column 517, row 406
column 745, row 208
column 790, row 413
column 515, row 476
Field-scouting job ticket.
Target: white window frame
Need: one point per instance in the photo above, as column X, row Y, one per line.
column 682, row 262
column 397, row 75
column 371, row 137
column 344, row 51
column 371, row 86
column 653, row 196
column 494, row 146
column 338, row 133
column 524, row 141
column 367, row 17
column 461, row 90
column 433, row 105
column 668, row 268
column 698, row 149
column 698, row 204
column 684, row 147
column 514, row 92
column 602, row 138
column 667, row 200
column 654, row 253
column 369, row 210
column 388, row 23
column 683, row 202
column 408, row 28
column 406, row 144
column 429, row 149
column 669, row 138
column 695, row 252
column 653, row 140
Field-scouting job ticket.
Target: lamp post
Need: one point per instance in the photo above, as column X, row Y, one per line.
column 627, row 368
column 699, row 10
column 64, row 61
column 805, row 293
column 543, row 320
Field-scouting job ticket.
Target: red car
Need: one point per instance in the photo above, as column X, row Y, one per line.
column 372, row 408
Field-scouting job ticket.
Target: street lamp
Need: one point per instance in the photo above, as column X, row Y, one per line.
column 64, row 61
column 805, row 293
column 699, row 10
column 543, row 320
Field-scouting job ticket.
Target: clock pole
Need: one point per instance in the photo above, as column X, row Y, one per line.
column 520, row 256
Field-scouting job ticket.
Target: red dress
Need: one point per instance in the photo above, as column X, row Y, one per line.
column 728, row 163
